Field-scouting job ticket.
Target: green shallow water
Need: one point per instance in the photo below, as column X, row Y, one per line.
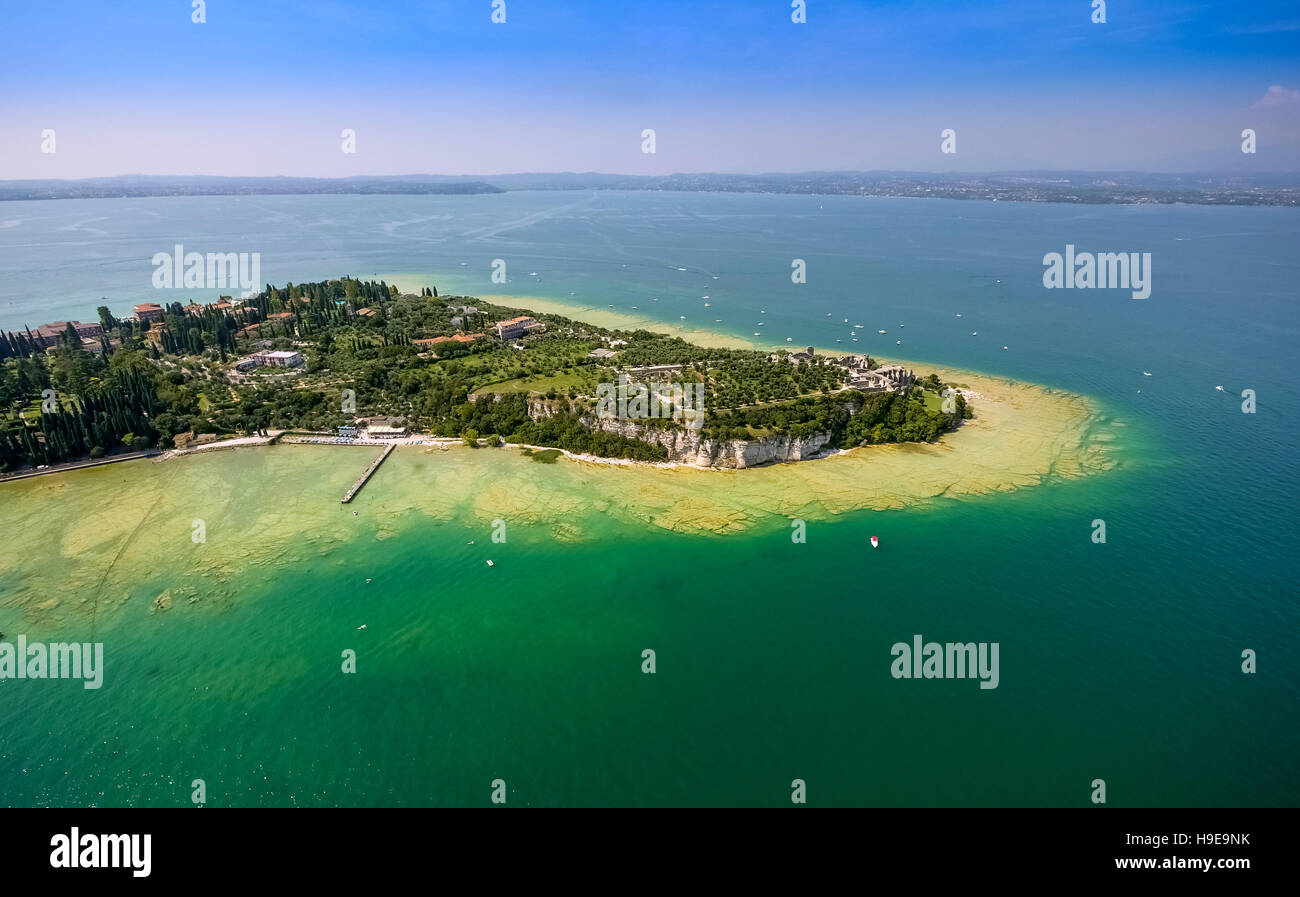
column 1118, row 661
column 772, row 657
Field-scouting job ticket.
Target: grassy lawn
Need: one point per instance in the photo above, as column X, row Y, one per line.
column 538, row 385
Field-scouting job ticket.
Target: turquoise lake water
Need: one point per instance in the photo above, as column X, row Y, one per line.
column 1119, row 661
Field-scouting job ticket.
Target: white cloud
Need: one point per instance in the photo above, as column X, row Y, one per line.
column 1277, row 95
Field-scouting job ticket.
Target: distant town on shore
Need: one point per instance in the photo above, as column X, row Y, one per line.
column 1209, row 188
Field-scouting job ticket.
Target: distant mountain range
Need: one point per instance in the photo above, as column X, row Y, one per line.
column 1024, row 186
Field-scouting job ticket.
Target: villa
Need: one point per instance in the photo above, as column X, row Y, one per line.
column 48, row 334
column 269, row 359
column 517, row 327
column 148, row 311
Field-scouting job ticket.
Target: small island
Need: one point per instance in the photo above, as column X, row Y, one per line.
column 360, row 360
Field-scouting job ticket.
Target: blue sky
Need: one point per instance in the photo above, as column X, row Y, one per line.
column 267, row 87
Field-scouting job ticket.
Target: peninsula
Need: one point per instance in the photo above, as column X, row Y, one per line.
column 362, row 361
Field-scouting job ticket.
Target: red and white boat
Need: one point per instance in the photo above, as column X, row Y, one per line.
column 875, row 541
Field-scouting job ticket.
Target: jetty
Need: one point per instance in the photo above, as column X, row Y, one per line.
column 361, row 480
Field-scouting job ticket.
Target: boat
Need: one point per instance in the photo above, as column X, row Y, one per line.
column 1146, row 373
column 490, row 564
column 880, row 331
column 470, row 542
column 362, row 626
column 367, row 581
column 875, row 541
column 899, row 343
column 1219, row 388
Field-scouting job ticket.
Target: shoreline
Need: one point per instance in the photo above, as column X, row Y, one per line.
column 614, row 319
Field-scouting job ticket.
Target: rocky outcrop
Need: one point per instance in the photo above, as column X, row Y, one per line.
column 686, row 446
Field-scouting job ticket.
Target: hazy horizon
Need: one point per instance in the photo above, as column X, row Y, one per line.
column 487, row 176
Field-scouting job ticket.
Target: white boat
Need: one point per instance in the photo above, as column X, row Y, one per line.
column 899, row 343
column 880, row 331
column 875, row 541
column 1146, row 373
column 490, row 564
column 362, row 626
column 1219, row 388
